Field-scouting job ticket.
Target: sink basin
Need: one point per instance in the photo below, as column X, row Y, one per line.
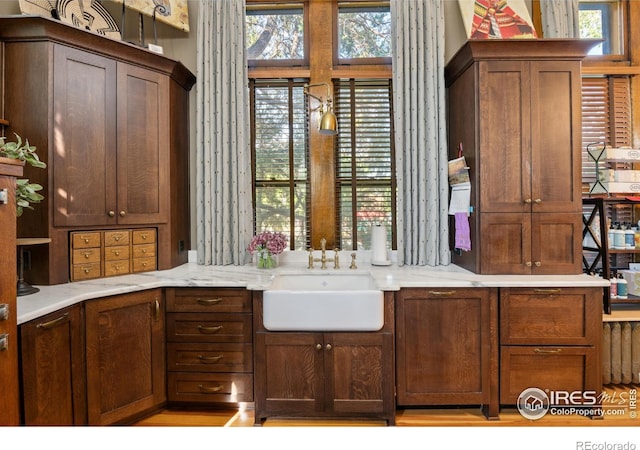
column 323, row 302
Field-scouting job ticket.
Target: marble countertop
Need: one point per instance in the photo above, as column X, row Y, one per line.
column 389, row 278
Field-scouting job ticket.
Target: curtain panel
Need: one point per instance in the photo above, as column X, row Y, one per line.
column 421, row 133
column 223, row 155
column 560, row 18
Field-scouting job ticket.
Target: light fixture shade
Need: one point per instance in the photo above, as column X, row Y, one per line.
column 329, row 123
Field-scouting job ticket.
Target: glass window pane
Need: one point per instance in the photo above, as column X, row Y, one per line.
column 602, row 19
column 364, row 31
column 275, row 33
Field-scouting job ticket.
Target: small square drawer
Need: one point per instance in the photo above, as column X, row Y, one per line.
column 85, row 240
column 116, row 253
column 116, row 237
column 144, row 264
column 86, row 271
column 144, row 236
column 208, row 300
column 209, row 387
column 214, row 357
column 86, row 255
column 144, row 250
column 112, row 268
column 219, row 327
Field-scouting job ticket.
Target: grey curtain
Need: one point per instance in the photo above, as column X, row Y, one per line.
column 560, row 18
column 223, row 158
column 420, row 124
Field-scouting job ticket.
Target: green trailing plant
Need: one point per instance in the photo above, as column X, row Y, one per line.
column 26, row 193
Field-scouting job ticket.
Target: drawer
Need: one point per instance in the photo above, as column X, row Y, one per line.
column 116, row 253
column 144, row 264
column 547, row 368
column 554, row 316
column 144, row 250
column 209, row 387
column 220, row 327
column 215, row 357
column 208, row 300
column 86, row 255
column 112, row 268
column 85, row 240
column 144, row 236
column 85, row 271
column 116, row 237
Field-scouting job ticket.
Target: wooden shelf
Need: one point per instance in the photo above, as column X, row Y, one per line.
column 4, row 122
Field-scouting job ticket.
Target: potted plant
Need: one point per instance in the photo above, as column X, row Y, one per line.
column 26, row 193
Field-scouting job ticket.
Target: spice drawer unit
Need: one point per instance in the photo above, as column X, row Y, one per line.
column 550, row 339
column 96, row 254
column 209, row 345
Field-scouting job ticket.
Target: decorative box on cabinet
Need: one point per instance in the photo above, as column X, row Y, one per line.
column 515, row 108
column 110, row 119
column 10, row 169
column 209, row 349
column 549, row 339
column 53, row 369
column 315, row 374
column 125, row 351
column 447, row 347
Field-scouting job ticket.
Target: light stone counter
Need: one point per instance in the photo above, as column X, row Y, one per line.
column 390, row 278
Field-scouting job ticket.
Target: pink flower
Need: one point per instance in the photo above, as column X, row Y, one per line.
column 273, row 241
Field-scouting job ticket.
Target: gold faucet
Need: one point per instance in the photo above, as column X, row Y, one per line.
column 323, row 257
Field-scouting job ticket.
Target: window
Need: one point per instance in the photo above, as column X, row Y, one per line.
column 365, row 160
column 364, row 31
column 603, row 19
column 279, row 158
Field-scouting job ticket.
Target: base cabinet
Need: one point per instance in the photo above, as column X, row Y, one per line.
column 447, row 347
column 337, row 374
column 549, row 339
column 125, row 348
column 53, row 369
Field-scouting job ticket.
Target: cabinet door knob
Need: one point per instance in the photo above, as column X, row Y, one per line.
column 537, row 201
column 328, row 347
column 112, row 213
column 122, row 213
column 318, row 346
column 4, row 311
column 528, row 264
column 537, row 263
column 528, row 201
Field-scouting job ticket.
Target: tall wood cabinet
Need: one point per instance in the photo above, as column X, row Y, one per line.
column 514, row 109
column 9, row 392
column 111, row 121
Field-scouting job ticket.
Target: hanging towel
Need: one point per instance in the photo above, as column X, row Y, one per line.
column 463, row 235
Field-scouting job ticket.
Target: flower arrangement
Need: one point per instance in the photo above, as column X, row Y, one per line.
column 267, row 244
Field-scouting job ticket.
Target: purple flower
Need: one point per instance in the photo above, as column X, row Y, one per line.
column 273, row 241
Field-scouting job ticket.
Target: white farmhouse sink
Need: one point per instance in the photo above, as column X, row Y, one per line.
column 323, row 302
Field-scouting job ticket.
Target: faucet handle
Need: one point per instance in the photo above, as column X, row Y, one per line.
column 323, row 244
column 353, row 261
column 336, row 260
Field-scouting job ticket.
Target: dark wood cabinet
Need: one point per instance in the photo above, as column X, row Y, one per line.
column 10, row 169
column 53, row 369
column 209, row 346
column 515, row 115
column 447, row 347
column 549, row 339
column 315, row 374
column 111, row 121
column 125, row 351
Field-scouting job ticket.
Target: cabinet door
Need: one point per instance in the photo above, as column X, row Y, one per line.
column 446, row 347
column 505, row 137
column 556, row 243
column 289, row 374
column 53, row 376
column 143, row 146
column 556, row 167
column 359, row 373
column 84, row 138
column 505, row 243
column 125, row 356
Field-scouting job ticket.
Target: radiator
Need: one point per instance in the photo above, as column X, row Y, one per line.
column 621, row 352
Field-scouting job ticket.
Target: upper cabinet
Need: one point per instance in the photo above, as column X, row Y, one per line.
column 111, row 120
column 514, row 108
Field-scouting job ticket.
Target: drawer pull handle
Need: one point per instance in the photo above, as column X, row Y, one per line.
column 445, row 293
column 143, row 236
column 547, row 291
column 87, row 254
column 54, row 322
column 209, row 301
column 210, row 358
column 86, row 240
column 547, row 350
column 210, row 390
column 116, row 252
column 86, row 270
column 209, row 329
column 143, row 251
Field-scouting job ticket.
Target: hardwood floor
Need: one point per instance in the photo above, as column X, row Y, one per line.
column 418, row 417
